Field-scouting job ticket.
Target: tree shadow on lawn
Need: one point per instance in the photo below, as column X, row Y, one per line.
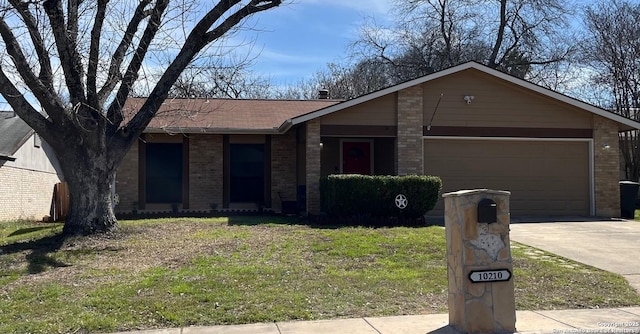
column 28, row 230
column 40, row 256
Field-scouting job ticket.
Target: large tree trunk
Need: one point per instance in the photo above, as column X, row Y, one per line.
column 91, row 204
column 90, row 177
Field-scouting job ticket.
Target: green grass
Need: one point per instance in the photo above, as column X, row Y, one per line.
column 181, row 272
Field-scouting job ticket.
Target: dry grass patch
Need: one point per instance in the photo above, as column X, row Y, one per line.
column 181, row 272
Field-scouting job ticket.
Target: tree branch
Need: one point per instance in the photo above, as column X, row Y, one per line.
column 197, row 39
column 117, row 58
column 22, row 107
column 67, row 50
column 47, row 99
column 46, row 73
column 72, row 26
column 114, row 113
column 251, row 8
column 491, row 62
column 94, row 54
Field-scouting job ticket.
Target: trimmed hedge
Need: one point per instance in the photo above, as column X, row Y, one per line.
column 351, row 194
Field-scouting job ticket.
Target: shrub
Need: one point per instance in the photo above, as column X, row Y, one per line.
column 349, row 195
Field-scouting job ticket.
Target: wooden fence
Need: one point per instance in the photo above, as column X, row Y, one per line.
column 60, row 203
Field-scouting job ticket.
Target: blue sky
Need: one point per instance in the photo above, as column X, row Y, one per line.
column 296, row 40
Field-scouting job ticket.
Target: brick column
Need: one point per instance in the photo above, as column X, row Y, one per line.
column 127, row 180
column 313, row 167
column 283, row 168
column 410, row 157
column 606, row 167
column 205, row 171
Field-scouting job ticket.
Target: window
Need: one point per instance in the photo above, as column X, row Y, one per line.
column 247, row 172
column 164, row 173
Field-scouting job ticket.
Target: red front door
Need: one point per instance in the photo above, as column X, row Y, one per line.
column 356, row 157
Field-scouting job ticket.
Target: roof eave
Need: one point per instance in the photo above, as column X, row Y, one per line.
column 284, row 127
column 222, row 131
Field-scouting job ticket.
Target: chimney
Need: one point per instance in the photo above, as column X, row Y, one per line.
column 323, row 94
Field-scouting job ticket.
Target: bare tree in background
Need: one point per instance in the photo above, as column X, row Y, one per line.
column 613, row 52
column 222, row 79
column 347, row 82
column 341, row 81
column 513, row 36
column 68, row 67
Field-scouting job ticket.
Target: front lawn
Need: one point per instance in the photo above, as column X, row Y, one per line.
column 181, row 272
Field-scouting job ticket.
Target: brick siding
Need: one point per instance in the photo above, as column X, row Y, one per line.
column 205, row 171
column 607, row 167
column 409, row 153
column 127, row 180
column 283, row 169
column 25, row 194
column 313, row 166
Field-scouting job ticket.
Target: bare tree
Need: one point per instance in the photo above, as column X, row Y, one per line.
column 341, row 81
column 222, row 77
column 612, row 50
column 346, row 82
column 513, row 36
column 69, row 67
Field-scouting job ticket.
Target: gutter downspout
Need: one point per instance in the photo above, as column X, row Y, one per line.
column 7, row 158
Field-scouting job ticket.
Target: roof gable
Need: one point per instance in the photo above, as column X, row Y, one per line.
column 628, row 124
column 14, row 132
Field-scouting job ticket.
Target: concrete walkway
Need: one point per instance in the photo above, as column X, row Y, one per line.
column 616, row 320
column 611, row 245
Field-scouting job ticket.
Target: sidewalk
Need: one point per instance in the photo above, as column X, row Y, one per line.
column 614, row 320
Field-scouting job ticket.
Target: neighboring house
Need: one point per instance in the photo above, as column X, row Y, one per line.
column 471, row 125
column 28, row 171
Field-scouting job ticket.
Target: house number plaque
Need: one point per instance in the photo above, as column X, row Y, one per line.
column 483, row 276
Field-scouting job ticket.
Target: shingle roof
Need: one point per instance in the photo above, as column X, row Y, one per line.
column 14, row 132
column 225, row 115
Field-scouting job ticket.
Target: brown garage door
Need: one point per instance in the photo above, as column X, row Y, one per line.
column 544, row 177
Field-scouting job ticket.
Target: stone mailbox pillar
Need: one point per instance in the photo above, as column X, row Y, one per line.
column 479, row 267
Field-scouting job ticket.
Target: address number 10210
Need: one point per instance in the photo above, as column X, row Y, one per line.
column 489, row 275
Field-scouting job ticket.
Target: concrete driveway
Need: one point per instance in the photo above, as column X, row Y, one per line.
column 612, row 245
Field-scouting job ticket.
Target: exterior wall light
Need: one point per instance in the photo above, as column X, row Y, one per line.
column 469, row 98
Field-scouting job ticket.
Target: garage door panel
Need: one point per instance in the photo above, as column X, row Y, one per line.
column 544, row 177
